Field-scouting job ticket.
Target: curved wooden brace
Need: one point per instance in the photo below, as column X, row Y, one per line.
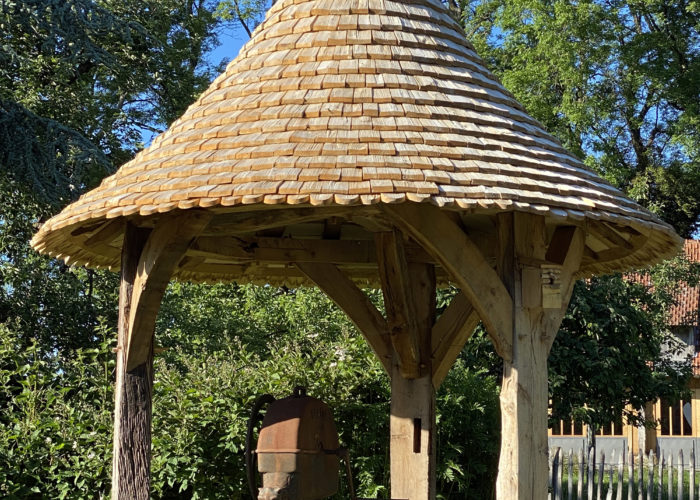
column 449, row 245
column 166, row 245
column 356, row 305
column 449, row 334
column 148, row 260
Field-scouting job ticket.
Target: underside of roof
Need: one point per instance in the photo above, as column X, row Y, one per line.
column 342, row 106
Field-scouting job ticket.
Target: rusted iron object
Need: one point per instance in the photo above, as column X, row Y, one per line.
column 298, row 450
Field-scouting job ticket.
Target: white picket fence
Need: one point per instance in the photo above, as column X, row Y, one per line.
column 625, row 477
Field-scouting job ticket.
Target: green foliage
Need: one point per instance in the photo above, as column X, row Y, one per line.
column 55, row 420
column 614, row 351
column 80, row 80
column 55, row 437
column 468, row 439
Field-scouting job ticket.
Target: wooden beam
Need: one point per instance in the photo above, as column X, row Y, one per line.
column 569, row 269
column 353, row 301
column 106, row 234
column 453, row 249
column 637, row 242
column 559, row 244
column 421, row 278
column 449, row 334
column 398, row 301
column 251, row 222
column 289, row 250
column 609, row 235
column 165, row 247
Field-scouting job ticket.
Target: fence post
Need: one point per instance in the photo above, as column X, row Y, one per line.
column 630, row 479
column 670, row 475
column 581, row 475
column 680, row 474
column 620, row 474
column 662, row 462
column 601, row 475
column 640, row 479
column 611, row 482
column 591, row 473
column 550, row 479
column 560, row 466
column 570, row 476
column 691, row 479
column 650, row 485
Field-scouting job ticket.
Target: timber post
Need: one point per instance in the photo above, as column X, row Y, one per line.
column 540, row 290
column 131, row 455
column 149, row 258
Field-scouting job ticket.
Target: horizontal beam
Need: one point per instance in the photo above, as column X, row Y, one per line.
column 251, row 222
column 288, row 250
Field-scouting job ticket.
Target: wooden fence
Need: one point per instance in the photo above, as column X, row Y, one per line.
column 625, row 477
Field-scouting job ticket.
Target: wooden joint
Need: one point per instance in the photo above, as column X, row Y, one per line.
column 457, row 254
column 165, row 247
column 551, row 286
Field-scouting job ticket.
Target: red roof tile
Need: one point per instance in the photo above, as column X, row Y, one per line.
column 686, row 310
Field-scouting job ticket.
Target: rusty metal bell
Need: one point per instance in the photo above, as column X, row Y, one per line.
column 298, row 450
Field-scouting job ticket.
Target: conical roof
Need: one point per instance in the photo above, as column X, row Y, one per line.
column 357, row 102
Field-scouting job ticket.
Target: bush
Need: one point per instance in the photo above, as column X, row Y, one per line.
column 227, row 345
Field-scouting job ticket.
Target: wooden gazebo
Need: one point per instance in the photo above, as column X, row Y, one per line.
column 354, row 143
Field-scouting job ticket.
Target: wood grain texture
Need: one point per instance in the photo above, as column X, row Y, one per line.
column 448, row 244
column 412, row 442
column 524, row 392
column 399, row 302
column 131, row 464
column 165, row 247
column 522, row 470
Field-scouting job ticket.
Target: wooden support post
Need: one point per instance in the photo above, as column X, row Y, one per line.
column 412, row 422
column 131, row 458
column 148, row 261
column 412, row 444
column 537, row 312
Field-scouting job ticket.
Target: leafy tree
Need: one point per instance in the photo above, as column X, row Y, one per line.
column 80, row 81
column 616, row 80
column 612, row 354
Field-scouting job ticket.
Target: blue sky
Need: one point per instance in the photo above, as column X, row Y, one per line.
column 231, row 40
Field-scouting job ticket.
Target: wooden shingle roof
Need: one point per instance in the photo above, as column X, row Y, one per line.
column 354, row 103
